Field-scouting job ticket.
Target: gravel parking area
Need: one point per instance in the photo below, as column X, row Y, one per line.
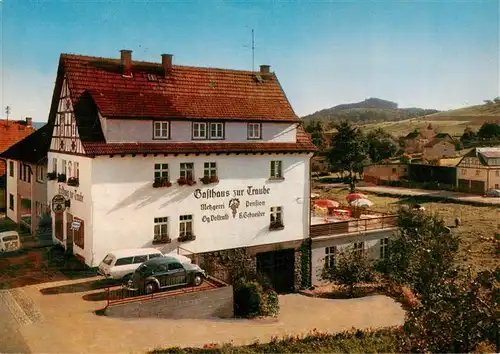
column 66, row 322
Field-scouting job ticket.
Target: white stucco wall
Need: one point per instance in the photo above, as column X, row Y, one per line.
column 372, row 248
column 125, row 203
column 128, row 130
column 81, row 209
column 12, row 189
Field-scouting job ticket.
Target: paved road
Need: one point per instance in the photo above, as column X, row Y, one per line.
column 431, row 194
column 11, row 339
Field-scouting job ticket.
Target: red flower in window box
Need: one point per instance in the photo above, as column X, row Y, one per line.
column 161, row 182
column 73, row 181
column 208, row 180
column 184, row 181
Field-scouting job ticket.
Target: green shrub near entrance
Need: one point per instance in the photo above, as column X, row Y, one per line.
column 254, row 296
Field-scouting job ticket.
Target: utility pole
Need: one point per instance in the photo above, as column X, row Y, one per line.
column 253, row 51
column 7, row 112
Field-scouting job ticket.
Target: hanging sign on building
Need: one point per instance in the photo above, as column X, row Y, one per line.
column 58, row 203
column 75, row 225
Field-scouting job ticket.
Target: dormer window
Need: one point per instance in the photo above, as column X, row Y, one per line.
column 161, row 130
column 216, row 131
column 199, row 130
column 254, row 131
column 212, row 131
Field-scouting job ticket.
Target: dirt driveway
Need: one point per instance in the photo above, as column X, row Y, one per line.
column 66, row 322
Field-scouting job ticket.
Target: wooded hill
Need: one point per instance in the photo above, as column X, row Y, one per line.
column 371, row 110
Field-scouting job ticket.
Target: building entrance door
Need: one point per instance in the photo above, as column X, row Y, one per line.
column 279, row 267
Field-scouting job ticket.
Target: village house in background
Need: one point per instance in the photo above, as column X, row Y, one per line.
column 442, row 146
column 26, row 178
column 10, row 133
column 417, row 139
column 188, row 159
column 479, row 170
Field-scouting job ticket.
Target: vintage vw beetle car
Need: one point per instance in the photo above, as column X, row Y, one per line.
column 9, row 241
column 164, row 272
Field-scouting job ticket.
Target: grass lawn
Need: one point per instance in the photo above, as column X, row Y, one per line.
column 380, row 341
column 478, row 224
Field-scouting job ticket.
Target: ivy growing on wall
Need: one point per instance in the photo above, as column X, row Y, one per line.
column 305, row 264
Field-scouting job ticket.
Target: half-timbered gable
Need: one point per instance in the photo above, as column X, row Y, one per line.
column 66, row 138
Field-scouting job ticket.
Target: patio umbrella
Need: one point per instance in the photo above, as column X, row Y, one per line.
column 326, row 203
column 361, row 203
column 353, row 196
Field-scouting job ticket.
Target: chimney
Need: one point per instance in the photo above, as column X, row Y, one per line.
column 29, row 121
column 126, row 61
column 166, row 62
column 265, row 69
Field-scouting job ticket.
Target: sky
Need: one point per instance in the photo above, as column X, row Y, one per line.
column 431, row 54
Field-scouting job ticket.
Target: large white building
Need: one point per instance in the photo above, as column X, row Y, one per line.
column 169, row 156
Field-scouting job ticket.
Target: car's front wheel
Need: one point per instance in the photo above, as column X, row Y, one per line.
column 150, row 288
column 198, row 279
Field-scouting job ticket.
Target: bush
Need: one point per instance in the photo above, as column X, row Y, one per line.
column 247, row 299
column 254, row 296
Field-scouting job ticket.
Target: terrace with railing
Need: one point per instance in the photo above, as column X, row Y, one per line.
column 344, row 224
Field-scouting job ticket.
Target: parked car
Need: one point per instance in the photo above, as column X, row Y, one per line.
column 493, row 192
column 9, row 241
column 121, row 264
column 164, row 272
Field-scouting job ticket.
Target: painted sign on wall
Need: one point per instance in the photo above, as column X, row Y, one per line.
column 232, row 202
column 76, row 195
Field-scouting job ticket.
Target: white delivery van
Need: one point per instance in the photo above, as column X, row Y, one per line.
column 9, row 241
column 121, row 264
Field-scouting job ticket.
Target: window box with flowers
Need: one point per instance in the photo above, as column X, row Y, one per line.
column 276, row 225
column 61, row 177
column 188, row 236
column 209, row 180
column 73, row 182
column 182, row 181
column 52, row 176
column 161, row 182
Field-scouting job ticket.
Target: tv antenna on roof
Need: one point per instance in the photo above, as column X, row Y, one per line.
column 253, row 49
column 7, row 112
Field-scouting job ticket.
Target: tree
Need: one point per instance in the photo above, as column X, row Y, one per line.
column 349, row 268
column 349, row 150
column 457, row 315
column 489, row 131
column 381, row 145
column 316, row 130
column 422, row 252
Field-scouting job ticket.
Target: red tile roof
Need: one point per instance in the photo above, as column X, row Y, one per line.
column 33, row 148
column 97, row 84
column 10, row 133
column 185, row 92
